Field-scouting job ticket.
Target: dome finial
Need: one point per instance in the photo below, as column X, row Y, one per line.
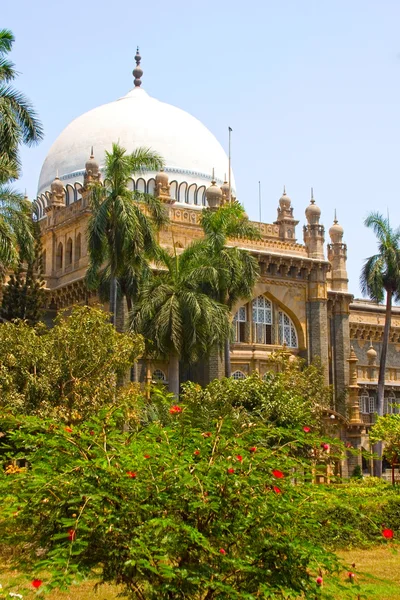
column 91, row 152
column 137, row 71
column 335, row 218
column 284, row 190
column 312, row 196
column 213, row 176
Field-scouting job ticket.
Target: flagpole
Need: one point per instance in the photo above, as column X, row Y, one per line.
column 229, row 156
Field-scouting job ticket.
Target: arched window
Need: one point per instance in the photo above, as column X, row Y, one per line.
column 59, row 257
column 151, row 186
column 239, row 324
column 141, row 185
column 78, row 247
column 287, row 331
column 173, row 190
column 238, row 375
column 68, row 253
column 131, row 184
column 182, row 196
column 192, row 193
column 159, row 375
column 262, row 320
column 200, row 196
column 69, row 195
column 367, row 403
column 390, row 405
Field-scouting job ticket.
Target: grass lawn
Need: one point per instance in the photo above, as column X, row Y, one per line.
column 377, row 572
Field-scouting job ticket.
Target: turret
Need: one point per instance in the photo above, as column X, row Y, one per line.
column 57, row 194
column 337, row 256
column 314, row 233
column 162, row 190
column 214, row 194
column 92, row 170
column 287, row 223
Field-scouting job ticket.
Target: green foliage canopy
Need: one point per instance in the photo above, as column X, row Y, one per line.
column 67, row 372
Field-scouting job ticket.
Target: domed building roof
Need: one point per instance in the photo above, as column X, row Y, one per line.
column 136, row 120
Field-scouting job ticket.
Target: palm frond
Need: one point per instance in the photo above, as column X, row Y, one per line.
column 30, row 126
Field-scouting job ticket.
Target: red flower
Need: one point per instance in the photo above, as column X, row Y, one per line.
column 91, row 432
column 71, row 535
column 206, row 434
column 325, row 446
column 278, row 474
column 222, row 551
column 131, row 474
column 319, row 580
column 175, row 409
column 68, row 429
column 277, row 490
column 306, row 429
column 240, row 458
column 37, row 583
column 253, row 449
column 196, row 452
column 387, row 533
column 146, row 455
column 231, row 470
column 351, row 576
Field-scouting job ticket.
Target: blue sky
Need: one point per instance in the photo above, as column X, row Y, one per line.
column 310, row 88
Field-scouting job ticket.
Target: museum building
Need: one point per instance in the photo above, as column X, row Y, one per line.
column 301, row 302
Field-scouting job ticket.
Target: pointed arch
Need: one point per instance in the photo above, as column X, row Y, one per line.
column 239, row 324
column 238, row 375
column 59, row 256
column 78, row 247
column 68, row 253
column 286, row 330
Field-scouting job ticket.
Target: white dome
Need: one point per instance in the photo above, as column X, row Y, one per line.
column 137, row 120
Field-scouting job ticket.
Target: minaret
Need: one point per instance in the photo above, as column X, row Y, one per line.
column 287, row 223
column 337, row 256
column 314, row 233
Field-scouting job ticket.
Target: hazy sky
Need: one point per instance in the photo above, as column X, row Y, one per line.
column 310, row 88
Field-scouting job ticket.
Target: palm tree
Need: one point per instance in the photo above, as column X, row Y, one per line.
column 237, row 269
column 380, row 276
column 16, row 229
column 18, row 120
column 175, row 315
column 121, row 235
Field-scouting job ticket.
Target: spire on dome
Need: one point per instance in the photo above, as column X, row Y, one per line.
column 137, row 71
column 335, row 217
column 312, row 196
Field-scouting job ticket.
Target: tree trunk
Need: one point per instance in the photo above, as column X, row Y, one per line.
column 227, row 351
column 381, row 380
column 173, row 374
column 113, row 300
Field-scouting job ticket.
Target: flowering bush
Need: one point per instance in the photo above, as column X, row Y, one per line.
column 143, row 510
